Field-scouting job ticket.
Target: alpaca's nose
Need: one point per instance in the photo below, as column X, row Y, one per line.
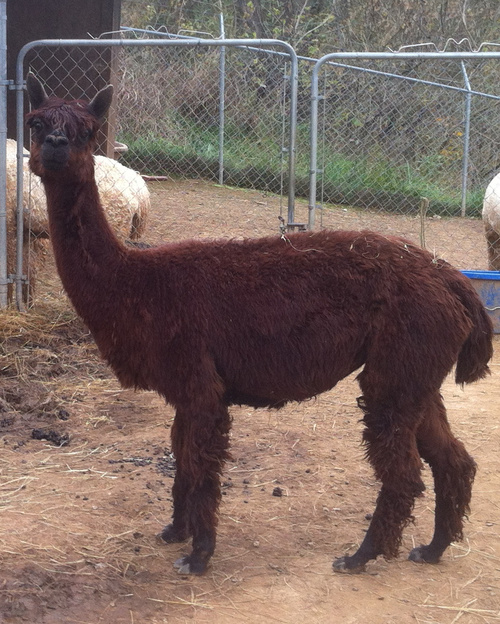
column 57, row 138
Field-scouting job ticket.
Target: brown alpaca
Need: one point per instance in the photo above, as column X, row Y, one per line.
column 265, row 321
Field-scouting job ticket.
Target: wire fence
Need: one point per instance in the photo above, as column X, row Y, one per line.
column 409, row 134
column 416, row 126
column 178, row 91
column 414, row 137
column 166, row 118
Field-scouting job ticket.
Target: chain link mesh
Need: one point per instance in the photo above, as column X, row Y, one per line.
column 392, row 137
column 166, row 118
column 178, row 130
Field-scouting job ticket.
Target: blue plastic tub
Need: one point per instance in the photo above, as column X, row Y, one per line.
column 487, row 285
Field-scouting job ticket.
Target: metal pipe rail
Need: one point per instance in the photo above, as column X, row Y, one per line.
column 120, row 43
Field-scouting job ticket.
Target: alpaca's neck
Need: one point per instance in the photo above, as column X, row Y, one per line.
column 87, row 253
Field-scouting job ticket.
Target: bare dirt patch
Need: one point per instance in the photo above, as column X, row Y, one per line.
column 82, row 501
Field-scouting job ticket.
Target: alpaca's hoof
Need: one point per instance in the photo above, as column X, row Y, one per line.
column 190, row 565
column 343, row 566
column 171, row 536
column 423, row 554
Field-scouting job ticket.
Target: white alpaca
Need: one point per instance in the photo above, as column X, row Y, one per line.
column 124, row 194
column 491, row 219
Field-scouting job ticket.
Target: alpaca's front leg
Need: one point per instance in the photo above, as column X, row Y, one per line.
column 178, row 529
column 190, row 521
column 200, row 444
column 203, row 508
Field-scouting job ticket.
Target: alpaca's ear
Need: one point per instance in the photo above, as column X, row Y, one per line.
column 101, row 102
column 36, row 92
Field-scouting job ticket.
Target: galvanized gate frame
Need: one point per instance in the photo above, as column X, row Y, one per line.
column 4, row 85
column 117, row 43
column 336, row 59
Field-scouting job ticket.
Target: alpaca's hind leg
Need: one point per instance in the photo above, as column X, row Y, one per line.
column 453, row 470
column 200, row 444
column 392, row 450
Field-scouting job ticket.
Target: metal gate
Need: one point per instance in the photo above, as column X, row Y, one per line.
column 146, row 128
column 406, row 134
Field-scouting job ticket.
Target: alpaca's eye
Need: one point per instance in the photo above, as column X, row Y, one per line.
column 36, row 125
column 85, row 135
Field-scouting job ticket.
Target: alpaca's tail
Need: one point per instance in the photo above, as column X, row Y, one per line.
column 477, row 350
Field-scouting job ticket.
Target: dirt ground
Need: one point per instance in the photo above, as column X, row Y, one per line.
column 86, row 471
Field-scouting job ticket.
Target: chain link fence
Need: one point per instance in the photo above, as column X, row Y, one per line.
column 184, row 111
column 406, row 146
column 410, row 137
column 219, row 114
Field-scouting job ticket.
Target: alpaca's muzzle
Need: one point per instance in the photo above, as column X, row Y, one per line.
column 55, row 150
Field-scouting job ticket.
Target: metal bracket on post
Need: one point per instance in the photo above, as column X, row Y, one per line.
column 296, row 227
column 12, row 278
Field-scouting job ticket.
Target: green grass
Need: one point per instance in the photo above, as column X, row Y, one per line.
column 256, row 162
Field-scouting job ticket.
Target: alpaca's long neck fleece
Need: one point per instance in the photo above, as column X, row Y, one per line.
column 87, row 253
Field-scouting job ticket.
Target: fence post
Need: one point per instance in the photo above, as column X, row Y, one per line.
column 19, row 277
column 3, row 154
column 465, row 162
column 222, row 86
column 313, row 143
column 292, row 141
